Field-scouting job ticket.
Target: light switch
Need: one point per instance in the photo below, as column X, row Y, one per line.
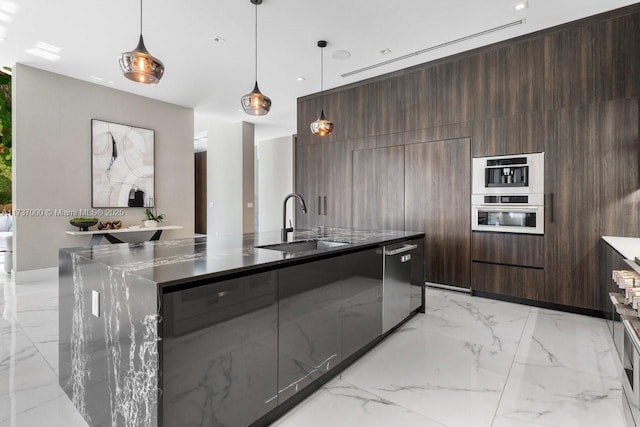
column 95, row 303
column 210, row 204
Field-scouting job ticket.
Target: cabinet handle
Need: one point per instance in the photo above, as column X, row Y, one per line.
column 551, row 213
column 319, row 205
column 325, row 205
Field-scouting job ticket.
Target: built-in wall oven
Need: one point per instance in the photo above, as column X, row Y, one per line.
column 512, row 214
column 508, row 194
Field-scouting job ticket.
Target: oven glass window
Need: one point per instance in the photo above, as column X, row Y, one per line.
column 511, row 219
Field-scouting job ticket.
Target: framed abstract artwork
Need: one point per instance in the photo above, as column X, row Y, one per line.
column 122, row 165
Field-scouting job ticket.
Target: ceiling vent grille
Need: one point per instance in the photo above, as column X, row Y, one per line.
column 439, row 46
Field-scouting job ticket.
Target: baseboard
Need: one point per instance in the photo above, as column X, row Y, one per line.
column 447, row 287
column 31, row 276
column 541, row 304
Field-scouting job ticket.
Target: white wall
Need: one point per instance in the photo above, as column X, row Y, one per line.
column 275, row 181
column 230, row 178
column 52, row 158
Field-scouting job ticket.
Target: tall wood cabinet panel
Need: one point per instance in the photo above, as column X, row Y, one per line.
column 420, row 98
column 617, row 133
column 378, row 189
column 323, row 179
column 308, row 169
column 530, row 94
column 437, row 201
column 569, row 76
column 388, row 115
column 456, row 90
column 497, row 83
column 572, row 229
column 617, row 59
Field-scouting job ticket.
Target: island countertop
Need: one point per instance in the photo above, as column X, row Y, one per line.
column 171, row 262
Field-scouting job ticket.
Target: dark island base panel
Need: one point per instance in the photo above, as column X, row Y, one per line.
column 541, row 304
column 291, row 403
column 228, row 352
column 108, row 365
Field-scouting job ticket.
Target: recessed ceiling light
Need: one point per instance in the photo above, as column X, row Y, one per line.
column 521, row 6
column 301, row 79
column 385, row 51
column 219, row 39
column 341, row 54
column 241, row 110
column 99, row 79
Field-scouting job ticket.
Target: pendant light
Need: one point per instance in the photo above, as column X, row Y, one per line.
column 255, row 103
column 139, row 65
column 322, row 126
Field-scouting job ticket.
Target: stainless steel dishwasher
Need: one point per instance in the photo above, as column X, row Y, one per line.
column 396, row 287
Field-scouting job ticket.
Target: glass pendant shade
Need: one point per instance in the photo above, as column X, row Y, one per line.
column 140, row 66
column 255, row 103
column 322, row 126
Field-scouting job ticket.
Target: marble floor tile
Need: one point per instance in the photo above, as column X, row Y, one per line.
column 339, row 403
column 479, row 320
column 580, row 343
column 29, row 390
column 468, row 362
column 435, row 375
column 558, row 396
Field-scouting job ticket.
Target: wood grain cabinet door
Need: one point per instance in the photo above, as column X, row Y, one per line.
column 378, row 189
column 438, row 202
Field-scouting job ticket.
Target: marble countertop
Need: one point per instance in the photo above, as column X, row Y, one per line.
column 171, row 262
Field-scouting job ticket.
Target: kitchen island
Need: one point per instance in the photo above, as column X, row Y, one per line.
column 230, row 330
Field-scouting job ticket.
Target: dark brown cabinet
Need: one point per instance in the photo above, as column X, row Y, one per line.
column 570, row 91
column 568, row 59
column 378, row 189
column 514, row 281
column 617, row 43
column 525, row 250
column 437, row 201
column 456, row 93
column 572, row 229
column 509, row 135
column 323, row 178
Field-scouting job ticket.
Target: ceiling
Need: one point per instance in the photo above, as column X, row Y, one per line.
column 211, row 76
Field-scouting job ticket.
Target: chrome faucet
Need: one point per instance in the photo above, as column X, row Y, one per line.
column 286, row 229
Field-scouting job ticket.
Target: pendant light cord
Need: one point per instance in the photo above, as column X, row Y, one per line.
column 256, row 40
column 140, row 17
column 322, row 79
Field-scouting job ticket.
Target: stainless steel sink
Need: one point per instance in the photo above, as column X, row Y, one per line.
column 303, row 246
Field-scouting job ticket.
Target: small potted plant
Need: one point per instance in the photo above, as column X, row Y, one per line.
column 152, row 219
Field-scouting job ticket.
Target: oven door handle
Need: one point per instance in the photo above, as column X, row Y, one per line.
column 507, row 209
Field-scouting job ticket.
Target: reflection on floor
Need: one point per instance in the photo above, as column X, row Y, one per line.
column 467, row 362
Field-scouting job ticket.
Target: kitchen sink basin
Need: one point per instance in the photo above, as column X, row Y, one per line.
column 303, row 246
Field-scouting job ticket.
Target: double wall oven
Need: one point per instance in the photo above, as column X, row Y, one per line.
column 508, row 194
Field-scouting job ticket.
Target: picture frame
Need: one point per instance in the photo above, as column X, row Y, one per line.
column 122, row 165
